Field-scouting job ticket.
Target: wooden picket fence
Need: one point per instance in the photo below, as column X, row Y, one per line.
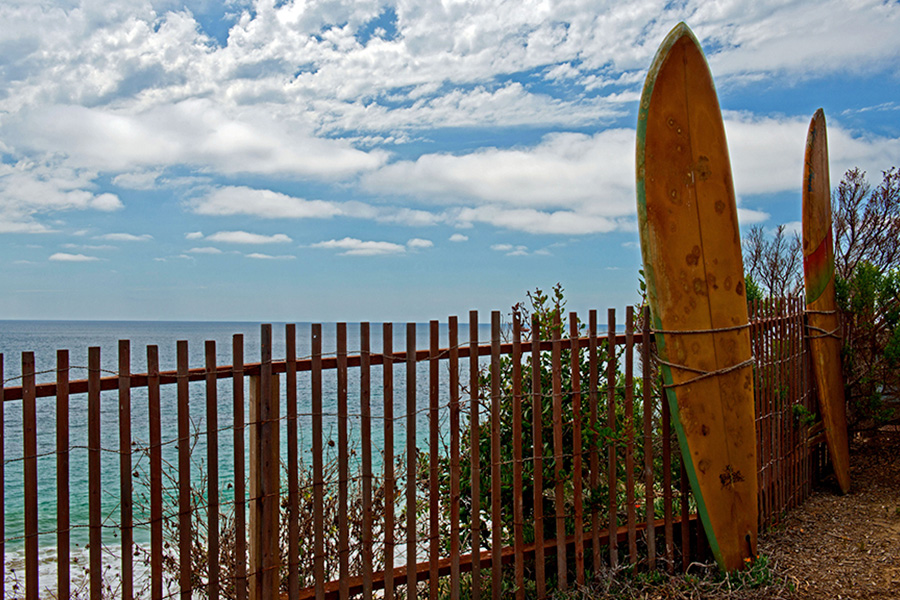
column 528, row 480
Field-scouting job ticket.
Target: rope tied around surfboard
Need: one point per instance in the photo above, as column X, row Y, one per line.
column 823, row 333
column 692, row 331
column 702, row 374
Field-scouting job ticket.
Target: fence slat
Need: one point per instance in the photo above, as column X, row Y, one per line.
column 453, row 327
column 474, row 452
column 290, row 384
column 558, row 451
column 154, row 427
column 629, row 430
column 63, row 566
column 611, row 423
column 240, row 489
column 268, row 473
column 537, row 426
column 387, row 340
column 667, row 483
column 496, row 519
column 411, row 455
column 318, row 466
column 577, row 466
column 648, row 406
column 212, row 459
column 433, row 440
column 365, row 410
column 685, row 516
column 594, row 377
column 125, row 499
column 94, row 480
column 30, row 476
column 518, row 519
column 343, row 462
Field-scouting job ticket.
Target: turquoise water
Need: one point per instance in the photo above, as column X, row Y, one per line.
column 45, row 337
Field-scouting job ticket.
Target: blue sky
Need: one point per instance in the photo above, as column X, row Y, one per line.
column 366, row 160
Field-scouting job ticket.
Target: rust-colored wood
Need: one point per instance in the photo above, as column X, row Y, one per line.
column 387, row 338
column 631, row 513
column 411, row 454
column 453, row 327
column 212, row 460
column 30, row 476
column 518, row 513
column 537, row 426
column 365, row 410
column 594, row 379
column 240, row 490
column 577, row 459
column 63, row 565
column 474, row 451
column 612, row 454
column 343, row 462
column 818, row 269
column 156, row 500
column 269, row 475
column 125, row 498
column 318, row 463
column 690, row 242
column 648, row 406
column 496, row 518
column 559, row 504
column 95, row 517
column 293, row 516
column 434, row 493
column 685, row 513
column 669, row 534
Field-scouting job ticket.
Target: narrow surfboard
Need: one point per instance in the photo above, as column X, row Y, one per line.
column 694, row 271
column 823, row 320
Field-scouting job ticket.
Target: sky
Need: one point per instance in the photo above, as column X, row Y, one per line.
column 353, row 160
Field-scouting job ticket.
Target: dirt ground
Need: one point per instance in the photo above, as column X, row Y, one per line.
column 846, row 547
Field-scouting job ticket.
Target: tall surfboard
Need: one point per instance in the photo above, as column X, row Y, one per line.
column 823, row 319
column 694, row 271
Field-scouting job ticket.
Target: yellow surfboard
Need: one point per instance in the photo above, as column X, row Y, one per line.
column 694, row 271
column 823, row 320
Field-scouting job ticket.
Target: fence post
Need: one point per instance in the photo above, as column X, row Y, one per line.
column 264, row 475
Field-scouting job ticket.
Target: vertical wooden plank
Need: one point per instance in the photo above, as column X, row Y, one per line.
column 647, row 397
column 558, row 452
column 577, row 459
column 411, row 454
column 290, row 384
column 240, row 490
column 496, row 518
column 184, row 470
column 365, row 410
column 63, row 573
column 685, row 519
column 156, row 501
column 387, row 340
column 30, row 480
column 667, row 483
column 125, row 499
column 518, row 518
column 268, row 472
column 475, row 454
column 212, row 459
column 537, row 427
column 318, row 463
column 343, row 464
column 94, row 479
column 611, row 423
column 629, row 431
column 594, row 378
column 2, row 487
column 453, row 326
column 434, row 492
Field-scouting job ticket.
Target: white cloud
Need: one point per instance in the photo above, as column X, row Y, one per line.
column 194, row 235
column 542, row 222
column 66, row 257
column 419, row 243
column 356, row 247
column 244, row 237
column 240, row 200
column 125, row 237
column 511, row 250
column 260, row 256
column 458, row 237
column 205, row 250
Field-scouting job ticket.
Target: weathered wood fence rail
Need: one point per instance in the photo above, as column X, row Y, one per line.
column 550, row 476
